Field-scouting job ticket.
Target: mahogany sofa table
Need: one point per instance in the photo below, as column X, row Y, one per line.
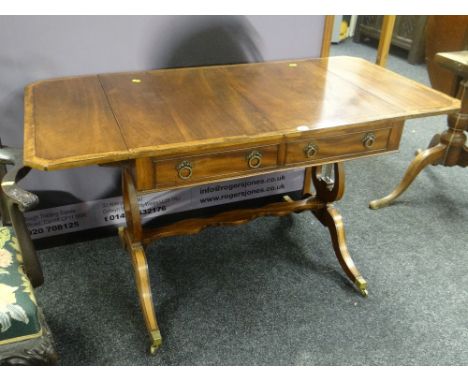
column 175, row 128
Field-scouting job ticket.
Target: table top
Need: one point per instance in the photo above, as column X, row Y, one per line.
column 456, row 62
column 98, row 119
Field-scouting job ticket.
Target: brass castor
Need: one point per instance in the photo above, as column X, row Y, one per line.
column 156, row 341
column 361, row 284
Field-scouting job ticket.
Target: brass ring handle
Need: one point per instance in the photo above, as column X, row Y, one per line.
column 184, row 169
column 254, row 159
column 311, row 150
column 368, row 140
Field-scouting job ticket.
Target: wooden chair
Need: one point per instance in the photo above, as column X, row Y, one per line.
column 25, row 338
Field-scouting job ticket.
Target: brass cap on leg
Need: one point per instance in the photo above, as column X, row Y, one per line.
column 361, row 284
column 156, row 341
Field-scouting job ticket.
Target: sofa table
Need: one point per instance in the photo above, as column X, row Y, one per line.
column 174, row 128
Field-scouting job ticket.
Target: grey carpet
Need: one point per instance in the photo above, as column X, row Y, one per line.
column 272, row 293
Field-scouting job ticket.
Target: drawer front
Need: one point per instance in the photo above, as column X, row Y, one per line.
column 340, row 146
column 187, row 170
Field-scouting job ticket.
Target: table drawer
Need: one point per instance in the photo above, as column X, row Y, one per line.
column 340, row 146
column 193, row 169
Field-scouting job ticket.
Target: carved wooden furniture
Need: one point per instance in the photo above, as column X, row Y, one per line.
column 408, row 33
column 175, row 128
column 25, row 338
column 448, row 148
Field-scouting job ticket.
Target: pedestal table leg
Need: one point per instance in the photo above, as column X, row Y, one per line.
column 424, row 158
column 329, row 191
column 131, row 238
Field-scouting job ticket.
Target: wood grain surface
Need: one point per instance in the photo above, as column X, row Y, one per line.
column 99, row 119
column 210, row 167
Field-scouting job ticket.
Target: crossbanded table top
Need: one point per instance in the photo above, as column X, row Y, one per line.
column 98, row 119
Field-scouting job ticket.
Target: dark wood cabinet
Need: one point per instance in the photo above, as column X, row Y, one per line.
column 408, row 33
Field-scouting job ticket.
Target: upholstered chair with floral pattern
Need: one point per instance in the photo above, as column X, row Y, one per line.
column 25, row 338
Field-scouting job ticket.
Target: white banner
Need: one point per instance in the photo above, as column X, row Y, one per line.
column 110, row 211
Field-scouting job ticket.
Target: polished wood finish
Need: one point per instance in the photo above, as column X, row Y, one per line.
column 101, row 119
column 420, row 162
column 235, row 217
column 456, row 62
column 386, row 32
column 448, row 148
column 329, row 216
column 336, row 147
column 331, row 146
column 70, row 117
column 132, row 237
column 212, row 166
column 135, row 237
column 145, row 168
column 177, row 127
column 307, row 185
